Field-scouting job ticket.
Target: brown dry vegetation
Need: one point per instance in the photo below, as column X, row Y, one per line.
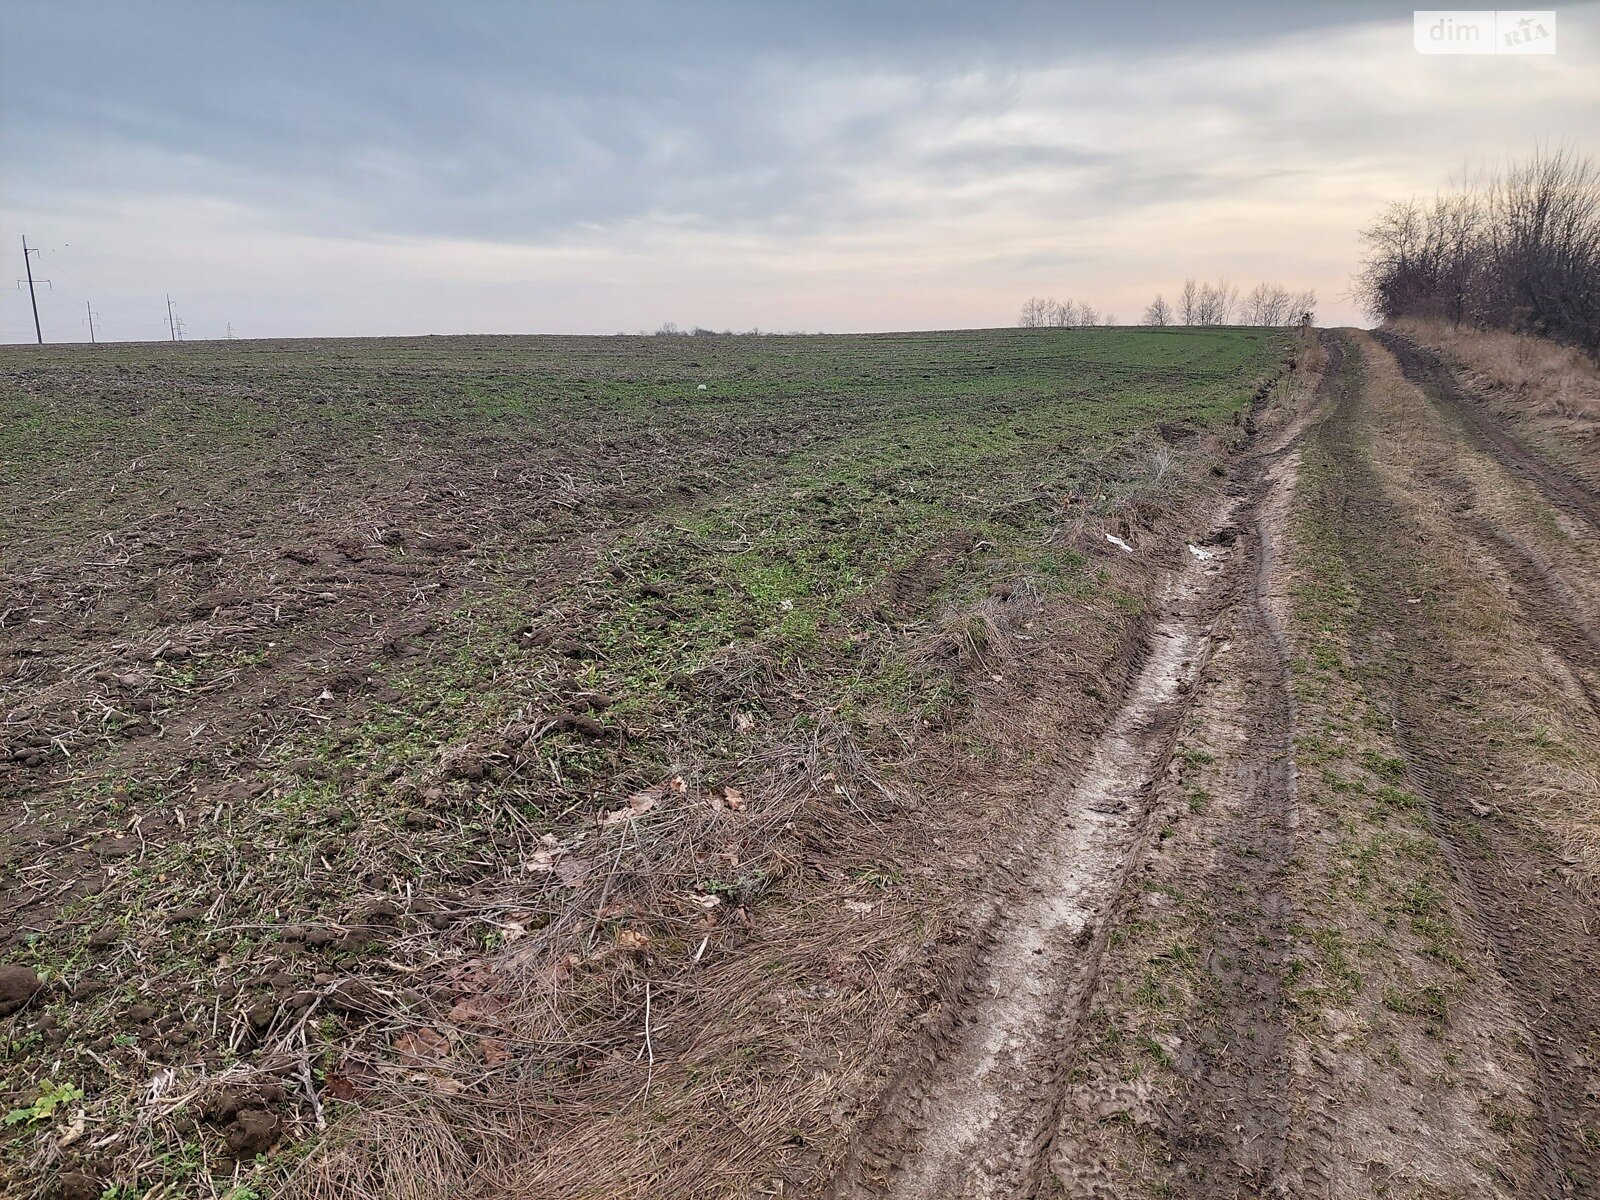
column 1551, row 393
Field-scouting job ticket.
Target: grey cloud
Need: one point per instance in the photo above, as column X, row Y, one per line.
column 769, row 147
column 510, row 121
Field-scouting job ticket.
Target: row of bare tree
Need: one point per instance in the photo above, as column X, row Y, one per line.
column 1517, row 248
column 1198, row 304
column 1046, row 311
column 1221, row 304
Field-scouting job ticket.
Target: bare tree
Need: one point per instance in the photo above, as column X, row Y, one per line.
column 1273, row 305
column 1158, row 312
column 1216, row 303
column 1189, row 302
column 1035, row 312
column 1227, row 301
column 1266, row 304
column 1042, row 311
column 1256, row 304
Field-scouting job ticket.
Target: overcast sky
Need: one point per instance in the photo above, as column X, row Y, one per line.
column 346, row 168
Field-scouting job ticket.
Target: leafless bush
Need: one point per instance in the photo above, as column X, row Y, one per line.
column 1515, row 249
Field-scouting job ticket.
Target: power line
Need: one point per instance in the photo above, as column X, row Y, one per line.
column 27, row 262
column 98, row 285
column 123, row 311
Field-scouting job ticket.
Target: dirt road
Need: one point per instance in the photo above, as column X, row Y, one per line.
column 1317, row 916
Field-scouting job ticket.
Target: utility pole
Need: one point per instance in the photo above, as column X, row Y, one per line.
column 90, row 311
column 172, row 325
column 230, row 331
column 27, row 262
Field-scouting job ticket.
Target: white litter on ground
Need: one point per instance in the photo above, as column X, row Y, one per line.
column 1203, row 555
column 1116, row 541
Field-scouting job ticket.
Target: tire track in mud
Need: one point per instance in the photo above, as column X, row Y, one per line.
column 1548, row 598
column 1231, row 1134
column 978, row 1115
column 1431, row 373
column 978, row 1124
column 1539, row 937
column 1543, row 595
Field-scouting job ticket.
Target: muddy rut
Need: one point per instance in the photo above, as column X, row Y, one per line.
column 987, row 1118
column 1229, row 1134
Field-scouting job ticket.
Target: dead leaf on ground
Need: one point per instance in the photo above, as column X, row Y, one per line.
column 743, row 722
column 540, row 862
column 573, row 872
column 494, row 1051
column 638, row 804
column 642, row 802
column 338, row 1087
column 475, row 1010
column 422, row 1047
column 633, row 939
column 473, row 976
column 73, row 1132
column 733, row 798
